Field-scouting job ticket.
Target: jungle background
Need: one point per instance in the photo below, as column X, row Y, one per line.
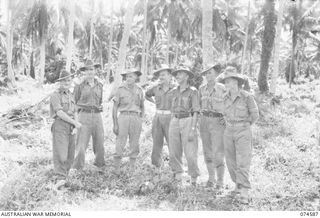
column 275, row 43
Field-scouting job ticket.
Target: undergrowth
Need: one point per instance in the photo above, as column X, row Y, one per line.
column 284, row 174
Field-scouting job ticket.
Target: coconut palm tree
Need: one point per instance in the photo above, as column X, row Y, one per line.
column 37, row 28
column 277, row 48
column 207, row 13
column 123, row 46
column 70, row 41
column 267, row 44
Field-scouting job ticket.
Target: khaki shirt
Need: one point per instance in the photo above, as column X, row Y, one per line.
column 88, row 97
column 211, row 98
column 186, row 101
column 129, row 99
column 62, row 100
column 242, row 108
column 163, row 99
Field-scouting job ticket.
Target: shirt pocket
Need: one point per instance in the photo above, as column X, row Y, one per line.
column 241, row 111
column 125, row 99
column 137, row 99
column 204, row 102
column 65, row 103
column 174, row 103
column 186, row 103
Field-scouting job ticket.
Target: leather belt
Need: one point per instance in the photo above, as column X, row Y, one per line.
column 163, row 112
column 90, row 110
column 182, row 115
column 130, row 113
column 211, row 114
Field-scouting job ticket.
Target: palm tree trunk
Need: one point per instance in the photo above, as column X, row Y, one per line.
column 70, row 35
column 144, row 43
column 169, row 37
column 168, row 45
column 9, row 44
column 124, row 41
column 246, row 41
column 147, row 52
column 123, row 48
column 267, row 45
column 226, row 42
column 177, row 53
column 250, row 58
column 294, row 41
column 110, row 43
column 277, row 49
column 91, row 30
column 43, row 37
column 42, row 60
column 207, row 13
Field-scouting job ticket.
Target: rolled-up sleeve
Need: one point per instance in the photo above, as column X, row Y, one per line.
column 253, row 109
column 55, row 103
column 195, row 101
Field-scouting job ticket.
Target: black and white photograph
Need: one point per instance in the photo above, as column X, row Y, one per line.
column 159, row 105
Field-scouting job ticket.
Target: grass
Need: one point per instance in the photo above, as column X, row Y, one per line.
column 284, row 174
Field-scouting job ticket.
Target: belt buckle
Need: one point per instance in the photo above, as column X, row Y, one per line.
column 91, row 110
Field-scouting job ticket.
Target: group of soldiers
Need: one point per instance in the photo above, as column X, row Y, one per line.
column 224, row 111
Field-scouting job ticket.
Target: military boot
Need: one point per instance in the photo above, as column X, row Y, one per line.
column 243, row 198
column 220, row 176
column 212, row 178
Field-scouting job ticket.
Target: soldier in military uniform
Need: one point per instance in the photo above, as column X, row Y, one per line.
column 212, row 125
column 160, row 95
column 62, row 109
column 240, row 112
column 88, row 98
column 129, row 101
column 182, row 130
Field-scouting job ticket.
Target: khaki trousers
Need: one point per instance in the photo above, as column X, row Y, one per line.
column 238, row 151
column 179, row 143
column 160, row 131
column 211, row 132
column 63, row 146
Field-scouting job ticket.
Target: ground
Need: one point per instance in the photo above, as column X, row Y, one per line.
column 285, row 172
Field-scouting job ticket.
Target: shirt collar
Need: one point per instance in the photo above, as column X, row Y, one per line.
column 126, row 85
column 95, row 81
column 207, row 86
column 188, row 87
column 237, row 95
